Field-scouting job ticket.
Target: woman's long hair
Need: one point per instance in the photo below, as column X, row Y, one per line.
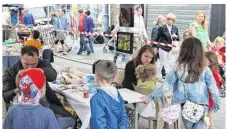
column 192, row 59
column 157, row 22
column 204, row 22
column 137, row 59
column 213, row 60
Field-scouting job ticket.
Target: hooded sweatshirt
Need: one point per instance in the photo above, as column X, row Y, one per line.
column 107, row 112
column 30, row 117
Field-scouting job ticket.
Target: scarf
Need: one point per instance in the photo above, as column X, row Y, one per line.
column 31, row 83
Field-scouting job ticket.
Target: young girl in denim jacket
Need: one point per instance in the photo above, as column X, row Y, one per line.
column 190, row 79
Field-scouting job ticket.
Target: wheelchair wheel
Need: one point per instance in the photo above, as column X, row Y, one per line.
column 105, row 50
column 222, row 93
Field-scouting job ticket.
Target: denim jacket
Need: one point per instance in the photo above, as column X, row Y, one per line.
column 196, row 92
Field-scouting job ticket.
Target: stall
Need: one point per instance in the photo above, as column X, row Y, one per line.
column 75, row 92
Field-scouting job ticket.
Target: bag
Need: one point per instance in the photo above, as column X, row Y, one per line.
column 170, row 114
column 191, row 111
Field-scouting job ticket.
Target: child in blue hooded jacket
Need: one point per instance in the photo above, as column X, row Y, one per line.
column 107, row 105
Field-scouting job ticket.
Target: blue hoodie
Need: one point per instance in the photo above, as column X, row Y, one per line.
column 107, row 113
column 30, row 117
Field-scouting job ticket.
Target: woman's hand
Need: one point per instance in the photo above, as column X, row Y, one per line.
column 18, row 77
column 144, row 99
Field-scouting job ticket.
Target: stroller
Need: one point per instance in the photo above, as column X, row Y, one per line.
column 223, row 86
column 110, row 44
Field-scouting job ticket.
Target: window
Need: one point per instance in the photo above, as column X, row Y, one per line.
column 38, row 12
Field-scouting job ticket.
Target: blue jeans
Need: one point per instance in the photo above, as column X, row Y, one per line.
column 90, row 42
column 117, row 55
column 83, row 44
column 199, row 125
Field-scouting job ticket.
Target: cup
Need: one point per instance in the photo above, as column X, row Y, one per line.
column 92, row 89
column 86, row 94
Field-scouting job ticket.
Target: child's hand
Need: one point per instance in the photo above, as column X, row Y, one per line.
column 144, row 99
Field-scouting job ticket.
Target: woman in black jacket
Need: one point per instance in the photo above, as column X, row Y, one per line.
column 167, row 34
column 145, row 56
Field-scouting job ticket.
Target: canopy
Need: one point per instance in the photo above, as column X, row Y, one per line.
column 13, row 5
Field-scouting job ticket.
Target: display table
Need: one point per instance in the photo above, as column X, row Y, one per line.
column 81, row 105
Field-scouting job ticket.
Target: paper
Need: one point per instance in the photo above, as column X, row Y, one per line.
column 130, row 96
column 149, row 110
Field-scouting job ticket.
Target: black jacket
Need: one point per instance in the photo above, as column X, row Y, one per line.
column 129, row 76
column 9, row 85
column 165, row 37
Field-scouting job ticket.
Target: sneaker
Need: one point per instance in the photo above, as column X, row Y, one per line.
column 69, row 49
column 83, row 52
column 60, row 51
column 79, row 53
column 64, row 54
column 88, row 53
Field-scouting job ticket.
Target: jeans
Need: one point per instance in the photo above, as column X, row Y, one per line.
column 199, row 125
column 90, row 42
column 117, row 55
column 83, row 44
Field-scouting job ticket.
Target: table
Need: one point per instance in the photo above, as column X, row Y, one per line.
column 8, row 61
column 82, row 105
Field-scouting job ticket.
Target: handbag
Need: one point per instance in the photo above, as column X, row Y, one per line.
column 170, row 114
column 191, row 111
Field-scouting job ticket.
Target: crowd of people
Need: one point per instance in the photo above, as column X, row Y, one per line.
column 192, row 72
column 63, row 23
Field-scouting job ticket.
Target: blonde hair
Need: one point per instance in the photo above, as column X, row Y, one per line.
column 171, row 15
column 204, row 23
column 146, row 72
column 219, row 41
column 157, row 20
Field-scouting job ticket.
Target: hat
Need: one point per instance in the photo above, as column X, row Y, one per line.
column 31, row 82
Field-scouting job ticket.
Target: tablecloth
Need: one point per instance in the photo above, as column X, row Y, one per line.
column 82, row 105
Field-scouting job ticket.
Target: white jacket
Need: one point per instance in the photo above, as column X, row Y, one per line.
column 139, row 27
column 6, row 18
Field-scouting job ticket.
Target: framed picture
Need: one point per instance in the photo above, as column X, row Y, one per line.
column 126, row 18
column 124, row 42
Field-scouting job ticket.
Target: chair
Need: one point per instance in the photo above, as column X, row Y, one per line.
column 119, row 77
column 157, row 124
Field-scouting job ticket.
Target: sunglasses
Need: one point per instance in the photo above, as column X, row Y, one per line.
column 170, row 19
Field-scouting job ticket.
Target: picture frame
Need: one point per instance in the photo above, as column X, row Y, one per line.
column 124, row 42
column 126, row 18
